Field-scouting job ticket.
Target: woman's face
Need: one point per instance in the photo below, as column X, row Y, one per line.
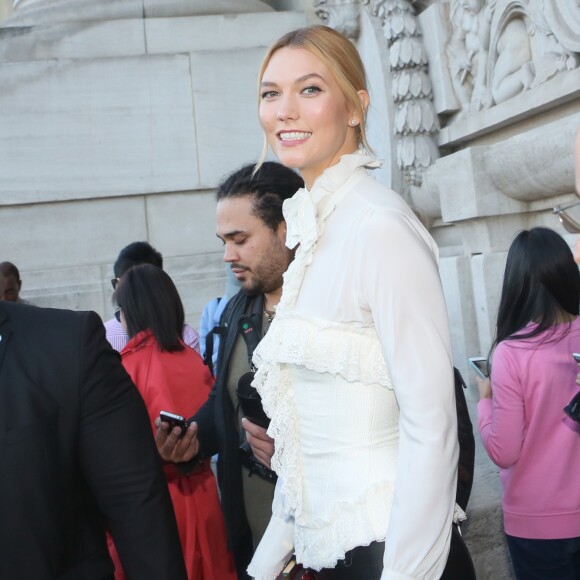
column 304, row 113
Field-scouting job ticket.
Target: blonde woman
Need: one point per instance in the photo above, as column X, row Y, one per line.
column 355, row 371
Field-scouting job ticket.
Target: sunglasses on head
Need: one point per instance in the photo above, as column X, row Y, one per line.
column 118, row 313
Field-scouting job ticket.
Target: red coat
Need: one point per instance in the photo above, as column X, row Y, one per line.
column 180, row 383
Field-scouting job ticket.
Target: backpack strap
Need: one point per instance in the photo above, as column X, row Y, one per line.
column 219, row 329
column 209, row 344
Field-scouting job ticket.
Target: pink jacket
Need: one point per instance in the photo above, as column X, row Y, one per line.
column 527, row 434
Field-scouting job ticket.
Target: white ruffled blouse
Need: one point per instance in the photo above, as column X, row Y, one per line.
column 356, row 375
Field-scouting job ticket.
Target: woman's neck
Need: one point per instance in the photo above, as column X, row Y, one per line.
column 562, row 317
column 565, row 317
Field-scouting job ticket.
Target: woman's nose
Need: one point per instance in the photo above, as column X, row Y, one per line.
column 287, row 108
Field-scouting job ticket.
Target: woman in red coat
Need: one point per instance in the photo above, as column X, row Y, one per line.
column 173, row 378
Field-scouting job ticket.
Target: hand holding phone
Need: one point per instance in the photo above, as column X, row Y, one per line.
column 174, row 421
column 480, row 365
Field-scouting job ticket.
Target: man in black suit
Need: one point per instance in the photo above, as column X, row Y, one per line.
column 76, row 456
column 251, row 225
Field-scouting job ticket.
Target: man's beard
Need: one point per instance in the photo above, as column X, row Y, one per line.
column 267, row 277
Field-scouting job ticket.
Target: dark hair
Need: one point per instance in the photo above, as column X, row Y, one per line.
column 9, row 269
column 134, row 254
column 541, row 282
column 270, row 185
column 150, row 301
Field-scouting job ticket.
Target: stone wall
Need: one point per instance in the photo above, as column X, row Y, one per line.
column 117, row 121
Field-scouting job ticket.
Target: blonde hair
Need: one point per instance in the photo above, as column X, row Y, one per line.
column 342, row 59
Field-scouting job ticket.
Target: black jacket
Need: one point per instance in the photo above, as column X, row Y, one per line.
column 76, row 452
column 217, row 433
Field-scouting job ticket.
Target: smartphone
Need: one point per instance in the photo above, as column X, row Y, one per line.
column 576, row 356
column 480, row 366
column 174, row 421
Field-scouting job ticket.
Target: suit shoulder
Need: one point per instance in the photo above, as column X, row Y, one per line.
column 42, row 320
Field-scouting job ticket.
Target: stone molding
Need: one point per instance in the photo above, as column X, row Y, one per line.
column 43, row 12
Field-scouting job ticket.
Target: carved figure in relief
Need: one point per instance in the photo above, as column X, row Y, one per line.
column 467, row 52
column 549, row 54
column 525, row 48
column 514, row 70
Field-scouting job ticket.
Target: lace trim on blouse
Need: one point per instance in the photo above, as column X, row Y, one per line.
column 342, row 349
column 353, row 524
column 352, row 352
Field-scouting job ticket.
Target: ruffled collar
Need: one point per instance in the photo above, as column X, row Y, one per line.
column 306, row 211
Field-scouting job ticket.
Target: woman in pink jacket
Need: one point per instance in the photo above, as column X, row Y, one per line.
column 521, row 419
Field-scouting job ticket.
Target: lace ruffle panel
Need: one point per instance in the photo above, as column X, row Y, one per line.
column 352, row 352
column 321, row 346
column 354, row 524
column 274, row 386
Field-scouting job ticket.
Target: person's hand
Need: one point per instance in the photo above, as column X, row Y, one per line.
column 484, row 386
column 172, row 447
column 261, row 443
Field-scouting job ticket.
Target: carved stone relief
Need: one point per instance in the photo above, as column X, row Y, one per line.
column 500, row 48
column 467, row 52
column 342, row 15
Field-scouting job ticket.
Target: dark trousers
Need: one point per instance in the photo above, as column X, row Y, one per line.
column 366, row 562
column 545, row 559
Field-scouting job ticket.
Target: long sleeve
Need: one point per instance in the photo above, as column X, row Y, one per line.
column 120, row 462
column 206, row 427
column 501, row 419
column 408, row 308
column 191, row 338
column 277, row 544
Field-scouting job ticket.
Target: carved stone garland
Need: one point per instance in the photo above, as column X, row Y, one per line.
column 416, row 123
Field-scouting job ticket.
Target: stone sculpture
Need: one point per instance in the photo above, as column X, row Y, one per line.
column 467, row 52
column 500, row 48
column 342, row 15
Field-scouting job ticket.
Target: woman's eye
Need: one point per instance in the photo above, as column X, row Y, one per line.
column 311, row 90
column 269, row 94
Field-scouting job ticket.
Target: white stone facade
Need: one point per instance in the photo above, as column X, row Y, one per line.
column 117, row 121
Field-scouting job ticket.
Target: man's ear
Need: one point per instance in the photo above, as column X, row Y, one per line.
column 281, row 231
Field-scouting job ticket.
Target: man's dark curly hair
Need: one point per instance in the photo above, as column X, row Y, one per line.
column 270, row 185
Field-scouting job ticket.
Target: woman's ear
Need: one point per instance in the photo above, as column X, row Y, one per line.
column 365, row 100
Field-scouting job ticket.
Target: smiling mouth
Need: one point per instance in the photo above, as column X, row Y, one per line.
column 293, row 135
